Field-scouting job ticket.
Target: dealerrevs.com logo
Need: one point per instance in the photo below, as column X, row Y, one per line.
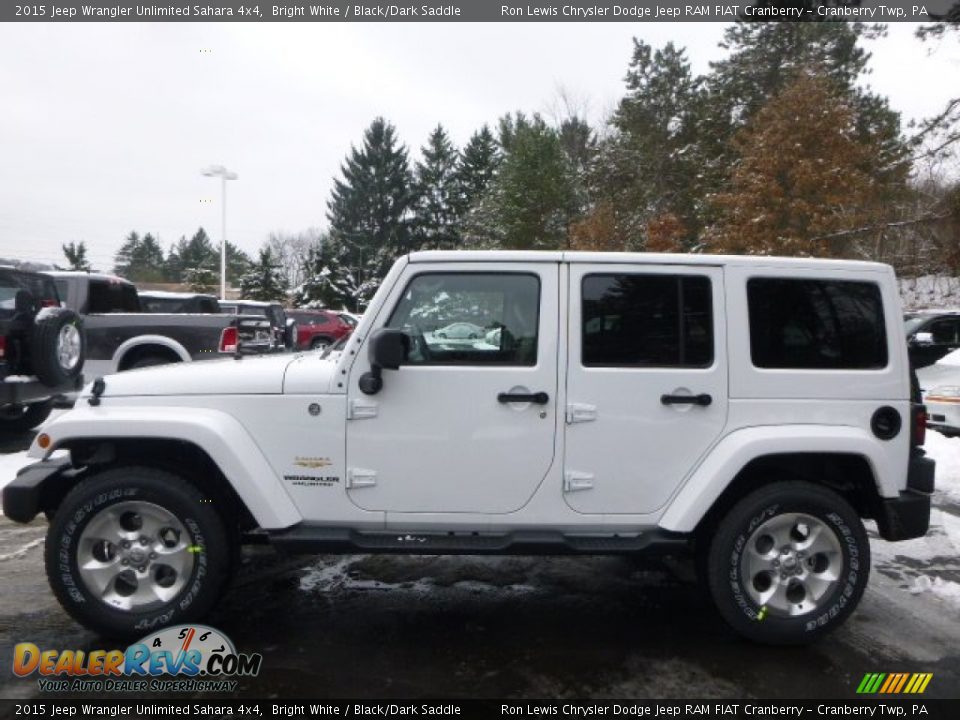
column 184, row 658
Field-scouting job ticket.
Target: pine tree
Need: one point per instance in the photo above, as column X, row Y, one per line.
column 140, row 259
column 476, row 169
column 332, row 281
column 532, row 200
column 370, row 207
column 436, row 209
column 76, row 254
column 647, row 170
column 264, row 280
column 197, row 253
column 238, row 262
column 802, row 179
column 201, row 280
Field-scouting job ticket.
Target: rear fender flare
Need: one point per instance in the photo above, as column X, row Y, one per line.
column 143, row 340
column 702, row 489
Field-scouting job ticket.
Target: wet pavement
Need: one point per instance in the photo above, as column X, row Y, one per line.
column 572, row 627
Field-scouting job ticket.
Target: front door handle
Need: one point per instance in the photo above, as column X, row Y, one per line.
column 540, row 398
column 703, row 399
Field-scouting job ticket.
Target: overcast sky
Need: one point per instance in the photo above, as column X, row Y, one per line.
column 104, row 128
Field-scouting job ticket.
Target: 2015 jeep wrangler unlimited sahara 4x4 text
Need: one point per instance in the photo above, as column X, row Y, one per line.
column 753, row 409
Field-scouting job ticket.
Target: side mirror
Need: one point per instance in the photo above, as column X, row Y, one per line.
column 923, row 338
column 387, row 351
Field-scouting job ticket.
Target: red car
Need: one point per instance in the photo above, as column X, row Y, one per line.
column 316, row 329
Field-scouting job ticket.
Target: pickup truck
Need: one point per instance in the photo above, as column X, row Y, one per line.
column 749, row 411
column 121, row 336
column 41, row 349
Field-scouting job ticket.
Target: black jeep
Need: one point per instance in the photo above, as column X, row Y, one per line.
column 41, row 349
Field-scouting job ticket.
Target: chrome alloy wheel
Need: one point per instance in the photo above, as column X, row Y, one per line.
column 135, row 556
column 791, row 563
column 68, row 346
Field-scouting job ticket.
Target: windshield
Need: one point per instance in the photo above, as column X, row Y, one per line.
column 911, row 324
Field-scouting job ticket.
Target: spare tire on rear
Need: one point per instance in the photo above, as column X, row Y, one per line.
column 57, row 348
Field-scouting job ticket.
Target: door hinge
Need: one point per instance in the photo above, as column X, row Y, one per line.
column 358, row 410
column 580, row 412
column 361, row 477
column 574, row 481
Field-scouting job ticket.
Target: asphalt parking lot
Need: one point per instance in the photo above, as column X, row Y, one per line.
column 584, row 627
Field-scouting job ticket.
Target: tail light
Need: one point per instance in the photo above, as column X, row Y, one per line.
column 50, row 302
column 3, row 347
column 228, row 340
column 919, row 424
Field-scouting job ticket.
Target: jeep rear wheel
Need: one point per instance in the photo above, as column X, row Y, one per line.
column 134, row 549
column 788, row 563
column 22, row 418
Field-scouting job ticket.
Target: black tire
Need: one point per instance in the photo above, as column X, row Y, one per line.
column 52, row 329
column 24, row 418
column 203, row 525
column 742, row 524
column 320, row 343
column 150, row 361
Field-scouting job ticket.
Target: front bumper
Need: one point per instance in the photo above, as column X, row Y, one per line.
column 35, row 488
column 908, row 516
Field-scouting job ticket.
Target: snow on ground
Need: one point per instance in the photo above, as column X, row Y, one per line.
column 930, row 291
column 946, row 451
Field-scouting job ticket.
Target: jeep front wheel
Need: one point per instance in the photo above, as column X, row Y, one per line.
column 788, row 563
column 134, row 549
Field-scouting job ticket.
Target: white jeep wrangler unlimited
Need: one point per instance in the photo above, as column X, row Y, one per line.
column 753, row 409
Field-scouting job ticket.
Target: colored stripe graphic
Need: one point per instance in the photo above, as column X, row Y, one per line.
column 894, row 683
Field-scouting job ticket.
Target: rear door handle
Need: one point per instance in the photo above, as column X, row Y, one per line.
column 703, row 399
column 540, row 398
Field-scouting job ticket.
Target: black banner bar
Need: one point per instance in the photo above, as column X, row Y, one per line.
column 473, row 11
column 872, row 709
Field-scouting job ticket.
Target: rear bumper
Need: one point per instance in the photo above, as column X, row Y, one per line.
column 908, row 516
column 24, row 393
column 25, row 497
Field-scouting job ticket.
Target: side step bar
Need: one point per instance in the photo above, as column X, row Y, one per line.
column 309, row 539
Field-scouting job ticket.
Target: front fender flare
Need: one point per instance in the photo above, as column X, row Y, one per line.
column 218, row 434
column 739, row 448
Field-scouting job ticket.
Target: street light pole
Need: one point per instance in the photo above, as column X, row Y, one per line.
column 224, row 175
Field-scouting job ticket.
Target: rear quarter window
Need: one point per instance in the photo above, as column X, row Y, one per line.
column 811, row 324
column 108, row 296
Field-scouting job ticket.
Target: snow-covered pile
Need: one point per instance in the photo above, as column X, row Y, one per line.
column 930, row 291
column 946, row 451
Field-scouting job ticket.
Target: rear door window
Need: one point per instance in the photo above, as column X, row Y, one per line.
column 647, row 320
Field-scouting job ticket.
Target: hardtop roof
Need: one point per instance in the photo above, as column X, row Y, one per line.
column 570, row 256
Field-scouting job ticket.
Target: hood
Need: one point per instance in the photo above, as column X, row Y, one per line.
column 251, row 375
